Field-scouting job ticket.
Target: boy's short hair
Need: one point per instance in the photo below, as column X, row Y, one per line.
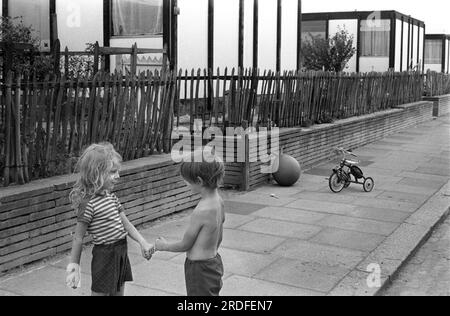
column 211, row 171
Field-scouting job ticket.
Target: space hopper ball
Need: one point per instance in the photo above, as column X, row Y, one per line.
column 289, row 171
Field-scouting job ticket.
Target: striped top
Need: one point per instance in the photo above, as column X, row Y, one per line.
column 102, row 214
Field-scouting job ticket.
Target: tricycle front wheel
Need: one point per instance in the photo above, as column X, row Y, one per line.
column 336, row 183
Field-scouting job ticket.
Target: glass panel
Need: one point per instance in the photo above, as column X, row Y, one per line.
column 137, row 17
column 313, row 28
column 375, row 38
column 433, row 51
column 34, row 13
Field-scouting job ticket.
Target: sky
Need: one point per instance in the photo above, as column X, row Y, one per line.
column 435, row 13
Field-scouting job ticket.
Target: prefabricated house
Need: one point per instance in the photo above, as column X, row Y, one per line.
column 194, row 33
column 383, row 39
column 437, row 52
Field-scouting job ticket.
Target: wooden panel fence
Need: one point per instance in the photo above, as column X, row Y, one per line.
column 437, row 84
column 47, row 124
column 247, row 97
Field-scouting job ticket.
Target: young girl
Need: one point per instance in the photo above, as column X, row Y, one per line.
column 102, row 216
column 203, row 267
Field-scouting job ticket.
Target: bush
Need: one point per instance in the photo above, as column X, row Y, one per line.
column 328, row 54
column 13, row 30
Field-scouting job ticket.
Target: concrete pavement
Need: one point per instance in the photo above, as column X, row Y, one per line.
column 302, row 240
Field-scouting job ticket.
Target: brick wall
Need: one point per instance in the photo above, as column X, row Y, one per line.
column 311, row 146
column 441, row 105
column 36, row 220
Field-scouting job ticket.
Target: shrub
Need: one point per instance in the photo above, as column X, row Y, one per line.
column 13, row 30
column 328, row 54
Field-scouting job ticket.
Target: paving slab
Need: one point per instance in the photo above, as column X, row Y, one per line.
column 242, row 208
column 248, row 241
column 389, row 204
column 403, row 188
column 262, row 200
column 307, row 275
column 160, row 275
column 422, row 183
column 348, row 239
column 380, row 214
column 325, row 196
column 45, row 281
column 359, row 225
column 133, row 289
column 291, row 215
column 323, row 207
column 281, row 228
column 244, row 286
column 357, row 283
column 236, row 220
column 404, row 197
column 324, row 254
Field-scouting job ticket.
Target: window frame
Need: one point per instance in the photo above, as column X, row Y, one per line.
column 362, row 31
column 144, row 35
column 427, row 59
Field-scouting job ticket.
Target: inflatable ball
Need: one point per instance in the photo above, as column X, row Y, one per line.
column 289, row 171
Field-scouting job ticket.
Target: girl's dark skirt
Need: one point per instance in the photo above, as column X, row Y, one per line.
column 111, row 267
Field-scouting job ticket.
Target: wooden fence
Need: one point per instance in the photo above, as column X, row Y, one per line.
column 46, row 124
column 437, row 84
column 247, row 97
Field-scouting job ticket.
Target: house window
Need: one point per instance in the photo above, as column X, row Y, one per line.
column 375, row 38
column 433, row 52
column 36, row 14
column 313, row 29
column 137, row 17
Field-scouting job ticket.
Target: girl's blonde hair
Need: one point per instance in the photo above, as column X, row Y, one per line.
column 94, row 167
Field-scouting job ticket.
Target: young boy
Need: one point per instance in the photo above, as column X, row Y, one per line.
column 203, row 237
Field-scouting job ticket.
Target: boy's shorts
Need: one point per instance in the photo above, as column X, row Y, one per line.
column 110, row 267
column 204, row 278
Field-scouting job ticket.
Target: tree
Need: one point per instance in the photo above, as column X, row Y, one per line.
column 328, row 54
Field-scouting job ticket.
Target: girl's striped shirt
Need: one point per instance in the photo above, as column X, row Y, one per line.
column 102, row 214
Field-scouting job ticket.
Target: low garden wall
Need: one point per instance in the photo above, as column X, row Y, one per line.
column 37, row 221
column 441, row 104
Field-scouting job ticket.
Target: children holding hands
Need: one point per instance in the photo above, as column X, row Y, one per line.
column 100, row 214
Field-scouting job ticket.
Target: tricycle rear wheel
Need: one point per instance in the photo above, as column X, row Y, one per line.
column 369, row 184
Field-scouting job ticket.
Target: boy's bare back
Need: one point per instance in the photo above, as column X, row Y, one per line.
column 210, row 215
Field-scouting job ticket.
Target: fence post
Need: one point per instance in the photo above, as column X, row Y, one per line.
column 96, row 57
column 134, row 57
column 8, row 89
column 18, row 155
column 57, row 57
column 66, row 61
column 246, row 167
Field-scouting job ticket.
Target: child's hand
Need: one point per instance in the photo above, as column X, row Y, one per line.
column 147, row 250
column 160, row 244
column 73, row 279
